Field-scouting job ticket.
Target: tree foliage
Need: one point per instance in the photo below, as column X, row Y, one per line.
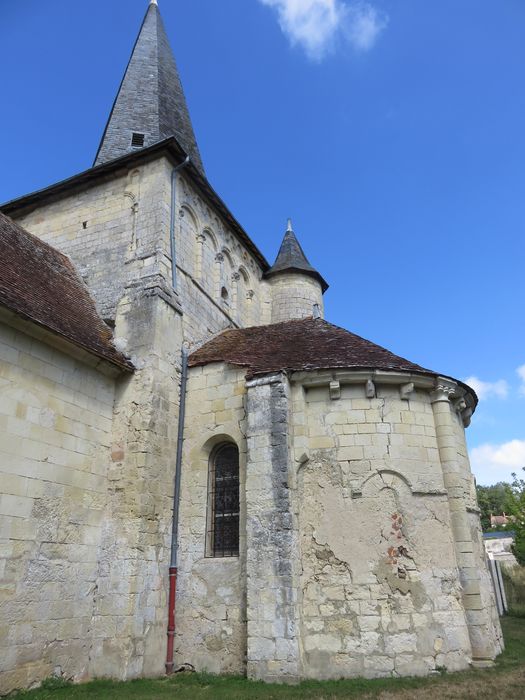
column 517, row 509
column 495, row 499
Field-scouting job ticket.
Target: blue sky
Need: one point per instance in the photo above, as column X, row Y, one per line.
column 392, row 131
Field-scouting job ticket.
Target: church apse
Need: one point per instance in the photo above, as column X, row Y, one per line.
column 358, row 549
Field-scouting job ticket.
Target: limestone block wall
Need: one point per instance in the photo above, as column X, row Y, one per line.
column 130, row 611
column 478, row 597
column 294, row 296
column 211, row 597
column 115, row 232
column 273, row 555
column 218, row 279
column 55, row 443
column 380, row 592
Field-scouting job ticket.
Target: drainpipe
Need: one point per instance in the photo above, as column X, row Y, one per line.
column 172, row 585
column 173, row 219
column 175, row 523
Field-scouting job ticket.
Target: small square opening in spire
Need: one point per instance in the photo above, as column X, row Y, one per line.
column 137, row 140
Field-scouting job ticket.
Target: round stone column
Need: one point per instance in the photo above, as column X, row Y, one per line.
column 457, row 485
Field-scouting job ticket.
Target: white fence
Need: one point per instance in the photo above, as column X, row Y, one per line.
column 499, row 588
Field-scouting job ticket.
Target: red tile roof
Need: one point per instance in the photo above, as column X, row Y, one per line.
column 305, row 344
column 40, row 284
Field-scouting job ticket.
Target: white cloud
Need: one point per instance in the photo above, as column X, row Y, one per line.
column 521, row 374
column 363, row 26
column 492, row 463
column 317, row 25
column 487, row 390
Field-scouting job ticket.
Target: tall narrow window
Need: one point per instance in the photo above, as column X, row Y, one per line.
column 223, row 502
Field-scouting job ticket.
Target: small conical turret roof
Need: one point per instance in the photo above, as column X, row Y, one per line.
column 291, row 258
column 150, row 105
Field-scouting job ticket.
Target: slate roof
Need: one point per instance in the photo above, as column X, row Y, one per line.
column 304, row 344
column 291, row 258
column 41, row 285
column 150, row 99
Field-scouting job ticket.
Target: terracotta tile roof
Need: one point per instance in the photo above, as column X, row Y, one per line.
column 305, row 344
column 41, row 285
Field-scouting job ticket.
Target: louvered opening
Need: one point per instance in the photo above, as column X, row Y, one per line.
column 137, row 140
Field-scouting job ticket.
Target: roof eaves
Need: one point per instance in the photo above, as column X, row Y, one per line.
column 299, row 270
column 170, row 147
column 117, row 359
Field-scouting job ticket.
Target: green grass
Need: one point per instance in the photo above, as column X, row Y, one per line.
column 506, row 681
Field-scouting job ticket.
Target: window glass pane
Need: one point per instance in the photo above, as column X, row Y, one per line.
column 223, row 499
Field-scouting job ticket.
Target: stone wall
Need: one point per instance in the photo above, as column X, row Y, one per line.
column 117, row 233
column 218, row 279
column 381, row 591
column 350, row 563
column 55, row 424
column 211, row 591
column 294, row 296
column 129, row 638
column 273, row 558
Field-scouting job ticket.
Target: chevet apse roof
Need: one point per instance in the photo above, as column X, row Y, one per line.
column 304, row 344
column 41, row 285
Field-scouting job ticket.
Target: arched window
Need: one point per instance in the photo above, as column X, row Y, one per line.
column 223, row 502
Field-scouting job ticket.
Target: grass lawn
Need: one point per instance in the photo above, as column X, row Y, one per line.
column 506, row 681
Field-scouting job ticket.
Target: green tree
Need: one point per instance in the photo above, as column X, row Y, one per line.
column 495, row 499
column 517, row 509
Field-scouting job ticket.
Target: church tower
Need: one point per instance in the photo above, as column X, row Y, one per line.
column 150, row 105
column 296, row 287
column 209, row 472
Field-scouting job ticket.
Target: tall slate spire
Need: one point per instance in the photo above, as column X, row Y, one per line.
column 291, row 258
column 150, row 105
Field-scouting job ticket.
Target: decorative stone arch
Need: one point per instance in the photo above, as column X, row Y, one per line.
column 187, row 210
column 245, row 274
column 189, row 226
column 208, row 232
column 133, row 183
column 207, row 247
column 226, row 282
column 240, row 286
column 384, row 478
column 223, row 504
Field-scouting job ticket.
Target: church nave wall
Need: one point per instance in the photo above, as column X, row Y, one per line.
column 116, row 232
column 55, row 444
column 219, row 280
column 211, row 598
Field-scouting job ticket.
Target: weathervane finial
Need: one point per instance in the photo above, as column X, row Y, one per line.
column 153, row 2
column 289, row 225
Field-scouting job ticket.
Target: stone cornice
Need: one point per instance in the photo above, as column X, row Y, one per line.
column 439, row 388
column 278, row 378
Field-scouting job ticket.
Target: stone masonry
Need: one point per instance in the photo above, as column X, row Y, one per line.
column 360, row 549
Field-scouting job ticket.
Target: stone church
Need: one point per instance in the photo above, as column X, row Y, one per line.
column 197, row 468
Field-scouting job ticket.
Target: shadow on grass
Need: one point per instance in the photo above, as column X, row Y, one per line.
column 201, row 686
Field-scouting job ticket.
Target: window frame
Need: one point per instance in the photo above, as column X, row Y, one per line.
column 212, row 550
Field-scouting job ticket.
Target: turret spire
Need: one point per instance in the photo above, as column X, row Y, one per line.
column 291, row 258
column 150, row 104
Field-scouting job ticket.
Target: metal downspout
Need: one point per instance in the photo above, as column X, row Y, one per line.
column 175, row 522
column 172, row 586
